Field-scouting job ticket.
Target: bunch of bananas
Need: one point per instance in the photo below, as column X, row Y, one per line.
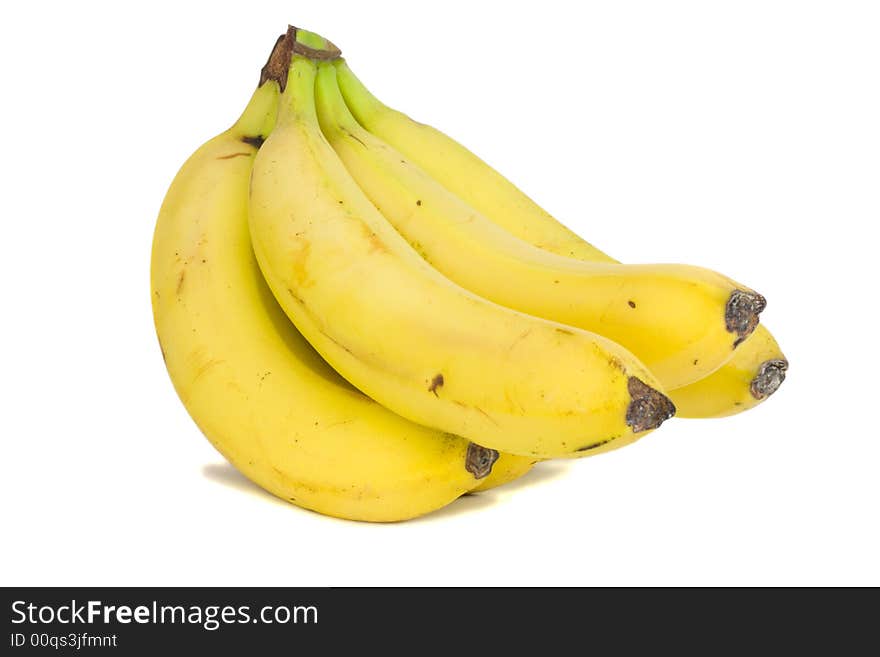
column 367, row 320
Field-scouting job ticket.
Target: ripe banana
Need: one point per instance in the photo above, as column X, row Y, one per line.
column 253, row 385
column 743, row 383
column 751, row 376
column 501, row 202
column 681, row 321
column 407, row 336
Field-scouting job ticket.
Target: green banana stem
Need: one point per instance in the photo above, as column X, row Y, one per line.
column 293, row 64
column 312, row 40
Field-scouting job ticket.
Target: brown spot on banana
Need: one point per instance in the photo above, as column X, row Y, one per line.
column 353, row 136
column 486, row 415
column 648, row 408
column 741, row 315
column 232, row 155
column 296, row 297
column 436, row 382
column 255, row 141
column 337, row 342
column 770, row 376
column 479, row 460
column 587, row 448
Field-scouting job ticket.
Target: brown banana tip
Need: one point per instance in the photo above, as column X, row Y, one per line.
column 741, row 313
column 479, row 460
column 770, row 376
column 648, row 408
column 278, row 64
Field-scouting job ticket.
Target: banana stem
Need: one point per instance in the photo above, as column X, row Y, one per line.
column 300, row 42
column 279, row 61
column 314, row 46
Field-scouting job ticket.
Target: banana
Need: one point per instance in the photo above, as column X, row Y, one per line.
column 407, row 336
column 751, row 376
column 743, row 383
column 681, row 321
column 253, row 385
column 498, row 200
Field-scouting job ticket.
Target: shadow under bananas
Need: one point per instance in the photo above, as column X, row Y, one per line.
column 541, row 472
column 226, row 475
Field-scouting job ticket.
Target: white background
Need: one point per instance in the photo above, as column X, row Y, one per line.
column 743, row 136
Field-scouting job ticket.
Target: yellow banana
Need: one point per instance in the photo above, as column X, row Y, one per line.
column 682, row 322
column 501, row 202
column 751, row 376
column 407, row 336
column 742, row 383
column 754, row 374
column 262, row 396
